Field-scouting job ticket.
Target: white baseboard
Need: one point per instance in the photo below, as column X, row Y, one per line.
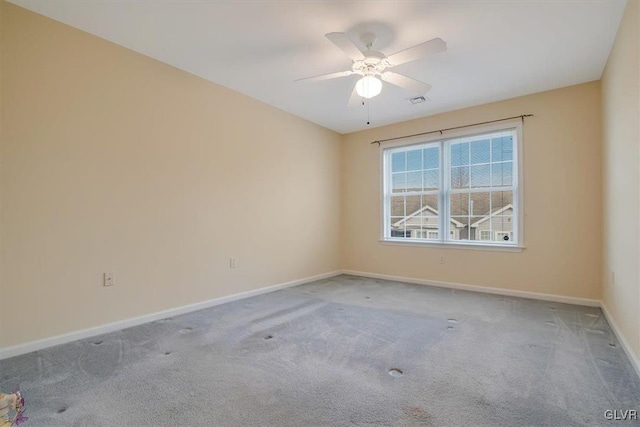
column 483, row 289
column 28, row 347
column 623, row 341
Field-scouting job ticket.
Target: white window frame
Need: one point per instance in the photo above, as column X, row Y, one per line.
column 444, row 141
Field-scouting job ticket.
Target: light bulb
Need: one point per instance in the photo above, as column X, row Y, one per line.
column 368, row 87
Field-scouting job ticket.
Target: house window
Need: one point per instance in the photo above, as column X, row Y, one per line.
column 485, row 235
column 400, row 233
column 462, row 189
column 426, row 234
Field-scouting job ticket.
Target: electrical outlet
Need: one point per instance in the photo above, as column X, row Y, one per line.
column 232, row 262
column 108, row 280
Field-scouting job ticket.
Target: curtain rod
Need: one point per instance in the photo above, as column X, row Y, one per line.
column 522, row 116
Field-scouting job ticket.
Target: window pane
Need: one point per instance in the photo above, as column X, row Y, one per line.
column 431, row 157
column 431, row 179
column 480, row 204
column 500, row 200
column 502, row 229
column 460, row 177
column 413, row 205
column 398, row 182
column 460, row 154
column 398, row 162
column 430, row 205
column 502, row 148
column 459, row 226
column 475, row 225
column 429, row 222
column 414, row 160
column 480, row 151
column 414, row 181
column 502, row 174
column 400, row 233
column 397, row 207
column 459, row 204
column 480, row 176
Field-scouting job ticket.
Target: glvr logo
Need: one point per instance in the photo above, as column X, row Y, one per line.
column 621, row 415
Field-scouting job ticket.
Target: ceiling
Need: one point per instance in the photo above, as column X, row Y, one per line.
column 497, row 49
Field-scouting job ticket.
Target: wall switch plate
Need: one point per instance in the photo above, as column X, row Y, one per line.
column 232, row 262
column 108, row 280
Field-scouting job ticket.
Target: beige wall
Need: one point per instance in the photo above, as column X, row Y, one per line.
column 621, row 157
column 112, row 161
column 562, row 197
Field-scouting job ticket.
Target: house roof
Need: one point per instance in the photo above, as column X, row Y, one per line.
column 419, row 211
column 498, row 212
column 482, row 205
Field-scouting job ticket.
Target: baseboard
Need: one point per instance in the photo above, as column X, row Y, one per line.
column 28, row 347
column 623, row 341
column 483, row 289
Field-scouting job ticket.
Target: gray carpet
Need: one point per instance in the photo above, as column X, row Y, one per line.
column 340, row 352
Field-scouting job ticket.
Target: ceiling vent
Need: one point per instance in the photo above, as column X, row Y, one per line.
column 417, row 99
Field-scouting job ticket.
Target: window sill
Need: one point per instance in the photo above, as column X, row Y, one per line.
column 451, row 245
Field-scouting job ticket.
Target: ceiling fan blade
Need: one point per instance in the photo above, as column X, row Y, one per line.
column 354, row 99
column 406, row 82
column 420, row 51
column 345, row 44
column 325, row 76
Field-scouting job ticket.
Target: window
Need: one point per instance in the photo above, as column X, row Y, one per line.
column 462, row 189
column 485, row 235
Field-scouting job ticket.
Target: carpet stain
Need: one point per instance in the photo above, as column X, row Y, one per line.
column 418, row 414
column 268, row 337
column 98, row 343
column 395, row 372
column 62, row 410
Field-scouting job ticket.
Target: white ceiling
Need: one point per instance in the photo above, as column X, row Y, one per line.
column 498, row 49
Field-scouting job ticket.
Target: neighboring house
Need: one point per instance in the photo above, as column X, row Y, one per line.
column 487, row 216
column 500, row 228
column 423, row 224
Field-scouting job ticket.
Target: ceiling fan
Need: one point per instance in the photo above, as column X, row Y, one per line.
column 373, row 66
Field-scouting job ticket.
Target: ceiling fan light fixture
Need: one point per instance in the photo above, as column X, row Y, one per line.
column 368, row 87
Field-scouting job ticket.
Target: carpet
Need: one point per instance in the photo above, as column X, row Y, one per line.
column 342, row 351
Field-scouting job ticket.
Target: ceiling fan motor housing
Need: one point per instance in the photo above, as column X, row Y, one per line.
column 374, row 63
